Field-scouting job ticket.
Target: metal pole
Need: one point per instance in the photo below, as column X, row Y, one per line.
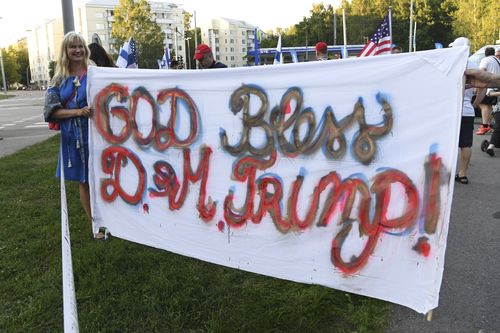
column 27, row 76
column 195, row 34
column 345, row 34
column 3, row 73
column 335, row 28
column 415, row 37
column 189, row 53
column 67, row 11
column 411, row 27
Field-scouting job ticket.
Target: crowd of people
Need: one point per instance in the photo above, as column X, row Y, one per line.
column 66, row 104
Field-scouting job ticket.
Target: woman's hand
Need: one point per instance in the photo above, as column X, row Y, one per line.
column 85, row 112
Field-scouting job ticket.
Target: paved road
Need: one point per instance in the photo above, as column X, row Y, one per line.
column 21, row 121
column 470, row 293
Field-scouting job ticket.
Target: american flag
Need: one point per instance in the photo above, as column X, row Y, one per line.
column 380, row 42
column 128, row 55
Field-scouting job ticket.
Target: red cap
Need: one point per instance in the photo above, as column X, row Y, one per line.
column 321, row 47
column 201, row 50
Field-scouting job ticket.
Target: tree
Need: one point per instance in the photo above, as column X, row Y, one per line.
column 475, row 19
column 11, row 67
column 133, row 18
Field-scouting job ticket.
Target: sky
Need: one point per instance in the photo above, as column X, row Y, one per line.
column 17, row 16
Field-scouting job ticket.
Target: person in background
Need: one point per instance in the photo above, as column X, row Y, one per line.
column 175, row 64
column 467, row 122
column 321, row 51
column 66, row 103
column 397, row 49
column 491, row 64
column 99, row 56
column 205, row 57
column 494, row 142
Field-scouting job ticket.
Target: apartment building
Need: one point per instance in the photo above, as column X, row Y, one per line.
column 44, row 42
column 229, row 40
column 94, row 20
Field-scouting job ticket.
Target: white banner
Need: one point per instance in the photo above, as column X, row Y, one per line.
column 338, row 173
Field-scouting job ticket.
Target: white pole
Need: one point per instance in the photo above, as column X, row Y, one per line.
column 195, row 35
column 345, row 34
column 69, row 294
column 3, row 73
column 411, row 27
column 390, row 24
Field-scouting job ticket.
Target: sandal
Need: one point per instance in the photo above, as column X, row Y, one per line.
column 484, row 145
column 100, row 236
column 461, row 180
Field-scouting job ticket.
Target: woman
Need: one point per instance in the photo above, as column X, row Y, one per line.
column 66, row 103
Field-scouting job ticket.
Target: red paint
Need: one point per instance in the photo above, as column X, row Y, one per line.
column 160, row 135
column 145, row 208
column 112, row 160
column 221, row 225
column 168, row 185
column 423, row 247
column 432, row 193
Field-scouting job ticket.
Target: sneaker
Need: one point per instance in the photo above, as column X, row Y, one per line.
column 484, row 145
column 483, row 130
column 490, row 152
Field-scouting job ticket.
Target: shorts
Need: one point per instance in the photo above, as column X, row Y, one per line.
column 466, row 132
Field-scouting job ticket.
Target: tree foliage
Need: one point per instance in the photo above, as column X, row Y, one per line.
column 11, row 67
column 133, row 18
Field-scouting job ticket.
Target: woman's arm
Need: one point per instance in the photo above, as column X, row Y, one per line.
column 70, row 113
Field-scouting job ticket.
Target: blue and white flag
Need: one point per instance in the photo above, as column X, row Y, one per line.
column 256, row 47
column 278, row 58
column 164, row 63
column 294, row 56
column 128, row 55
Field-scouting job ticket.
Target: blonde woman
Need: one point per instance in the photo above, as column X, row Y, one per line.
column 66, row 104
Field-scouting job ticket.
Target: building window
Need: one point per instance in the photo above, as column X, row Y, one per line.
column 232, row 41
column 243, row 49
column 243, row 41
column 99, row 15
column 232, row 49
column 99, row 26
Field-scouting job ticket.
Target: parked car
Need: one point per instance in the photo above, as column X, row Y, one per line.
column 479, row 54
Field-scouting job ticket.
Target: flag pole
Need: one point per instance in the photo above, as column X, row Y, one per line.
column 195, row 35
column 345, row 33
column 411, row 27
column 390, row 24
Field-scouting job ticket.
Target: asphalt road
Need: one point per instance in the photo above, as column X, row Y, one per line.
column 21, row 121
column 470, row 292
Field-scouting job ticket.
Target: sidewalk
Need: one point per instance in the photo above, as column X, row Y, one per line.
column 470, row 291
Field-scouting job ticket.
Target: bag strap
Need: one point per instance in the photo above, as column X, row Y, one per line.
column 75, row 88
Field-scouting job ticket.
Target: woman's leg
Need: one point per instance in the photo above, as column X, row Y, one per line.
column 85, row 199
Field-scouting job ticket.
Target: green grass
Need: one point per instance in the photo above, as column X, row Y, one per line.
column 4, row 96
column 127, row 287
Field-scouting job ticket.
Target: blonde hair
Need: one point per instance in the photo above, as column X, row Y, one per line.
column 62, row 66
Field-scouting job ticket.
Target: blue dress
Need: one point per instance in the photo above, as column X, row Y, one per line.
column 74, row 131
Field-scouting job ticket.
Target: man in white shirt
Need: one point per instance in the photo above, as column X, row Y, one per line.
column 491, row 64
column 467, row 122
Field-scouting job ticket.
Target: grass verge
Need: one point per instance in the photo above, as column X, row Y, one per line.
column 3, row 96
column 126, row 287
